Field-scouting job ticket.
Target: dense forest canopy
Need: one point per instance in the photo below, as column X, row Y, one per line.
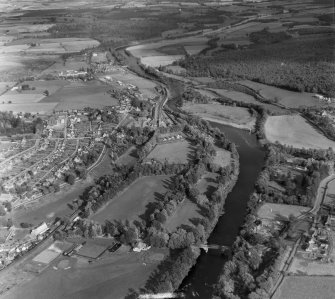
column 301, row 64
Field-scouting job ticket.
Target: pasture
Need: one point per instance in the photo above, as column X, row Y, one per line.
column 306, row 287
column 294, row 130
column 174, row 152
column 232, row 116
column 182, row 216
column 273, row 211
column 287, row 98
column 133, row 202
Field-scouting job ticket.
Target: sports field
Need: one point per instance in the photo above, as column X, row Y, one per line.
column 294, row 130
column 233, row 116
column 134, row 200
column 173, row 152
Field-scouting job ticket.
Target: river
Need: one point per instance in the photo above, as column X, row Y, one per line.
column 199, row 282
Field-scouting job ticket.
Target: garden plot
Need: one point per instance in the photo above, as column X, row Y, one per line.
column 173, row 152
column 134, row 200
column 233, row 116
column 294, row 130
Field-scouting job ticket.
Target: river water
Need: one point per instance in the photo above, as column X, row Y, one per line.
column 198, row 284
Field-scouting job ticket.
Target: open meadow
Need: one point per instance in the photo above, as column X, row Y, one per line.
column 294, row 130
column 306, row 287
column 133, row 202
column 233, row 116
column 173, row 152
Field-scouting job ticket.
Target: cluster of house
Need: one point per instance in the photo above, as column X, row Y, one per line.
column 73, row 74
column 324, row 99
column 10, row 248
column 9, row 165
column 318, row 245
column 329, row 114
column 171, row 138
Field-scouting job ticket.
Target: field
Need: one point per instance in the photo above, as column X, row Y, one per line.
column 186, row 211
column 222, row 157
column 134, row 200
column 306, row 287
column 294, row 130
column 330, row 196
column 233, row 116
column 91, row 250
column 154, row 54
column 110, row 277
column 207, row 184
column 50, row 46
column 51, row 206
column 80, row 95
column 48, row 255
column 289, row 99
column 5, row 85
column 274, row 211
column 174, row 152
column 32, row 107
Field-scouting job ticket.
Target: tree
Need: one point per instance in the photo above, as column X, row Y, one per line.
column 70, row 179
column 9, row 222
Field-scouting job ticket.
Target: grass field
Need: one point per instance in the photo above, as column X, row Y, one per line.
column 294, row 130
column 234, row 116
column 134, row 200
column 289, row 99
column 185, row 211
column 275, row 211
column 306, row 287
column 174, row 152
